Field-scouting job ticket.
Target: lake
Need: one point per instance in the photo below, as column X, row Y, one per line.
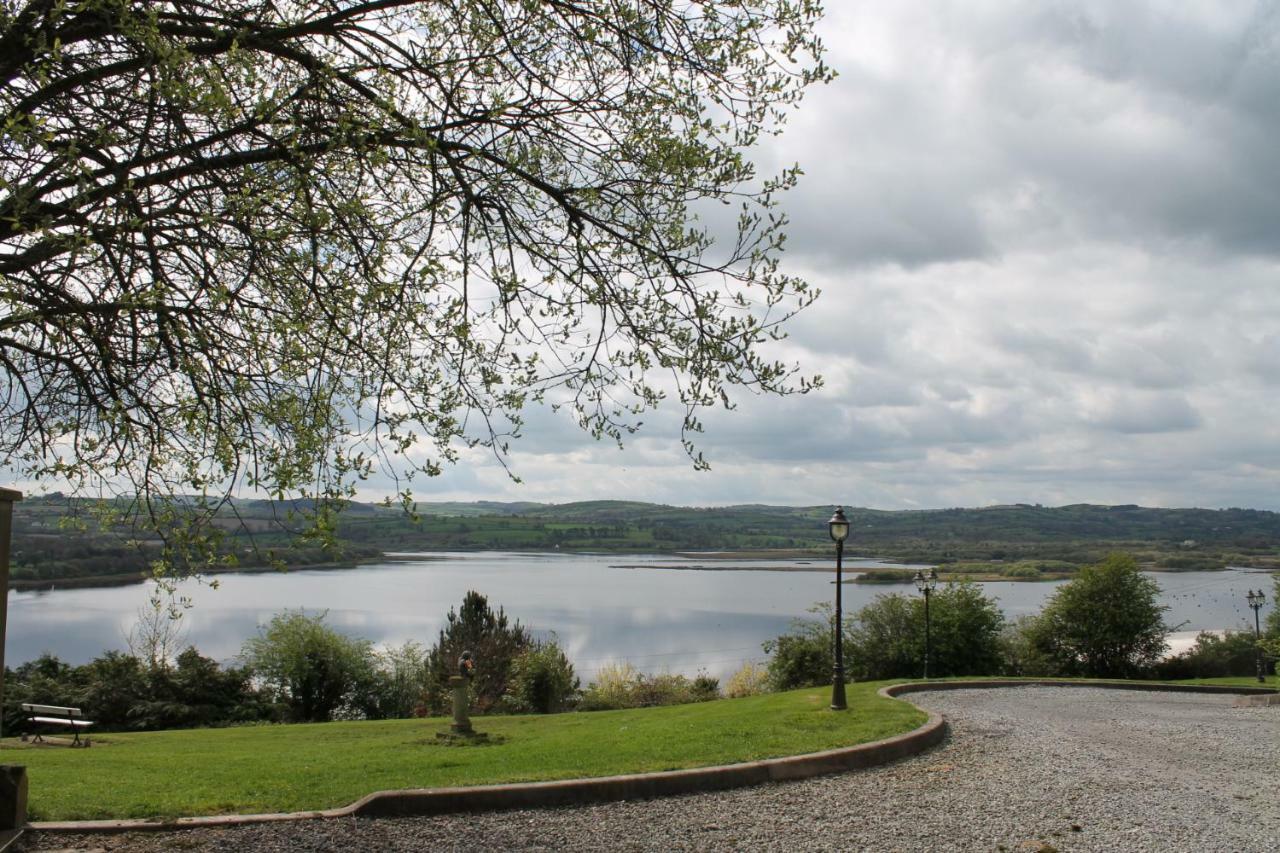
column 660, row 620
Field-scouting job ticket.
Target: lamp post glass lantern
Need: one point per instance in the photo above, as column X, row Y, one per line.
column 1256, row 600
column 838, row 527
column 926, row 583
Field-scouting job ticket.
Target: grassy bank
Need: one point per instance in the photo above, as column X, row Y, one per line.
column 301, row 767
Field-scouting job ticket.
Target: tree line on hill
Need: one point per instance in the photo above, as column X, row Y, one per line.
column 1104, row 623
column 999, row 540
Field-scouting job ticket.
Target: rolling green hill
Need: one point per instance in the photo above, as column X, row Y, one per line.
column 989, row 539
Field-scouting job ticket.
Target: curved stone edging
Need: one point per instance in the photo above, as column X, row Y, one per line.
column 434, row 801
column 1153, row 687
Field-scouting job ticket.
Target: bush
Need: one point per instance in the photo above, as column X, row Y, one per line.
column 803, row 657
column 705, row 688
column 1271, row 628
column 399, row 684
column 196, row 692
column 623, row 686
column 1104, row 623
column 121, row 692
column 311, row 669
column 1020, row 570
column 1213, row 656
column 542, row 679
column 751, row 679
column 1019, row 651
column 1271, row 654
column 965, row 626
column 885, row 639
column 611, row 689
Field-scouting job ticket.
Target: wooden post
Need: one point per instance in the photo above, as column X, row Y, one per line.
column 13, row 777
column 7, row 498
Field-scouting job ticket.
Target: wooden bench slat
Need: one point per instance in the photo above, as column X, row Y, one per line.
column 51, row 709
column 62, row 721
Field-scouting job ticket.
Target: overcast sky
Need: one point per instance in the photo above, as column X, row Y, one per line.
column 1048, row 238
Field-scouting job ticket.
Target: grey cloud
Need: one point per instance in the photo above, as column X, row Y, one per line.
column 1145, row 414
column 1156, row 363
column 1044, row 233
column 1118, row 121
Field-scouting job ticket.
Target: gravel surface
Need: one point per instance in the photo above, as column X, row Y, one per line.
column 1025, row 769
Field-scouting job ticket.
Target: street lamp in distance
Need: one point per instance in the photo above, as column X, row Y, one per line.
column 838, row 527
column 1256, row 600
column 926, row 583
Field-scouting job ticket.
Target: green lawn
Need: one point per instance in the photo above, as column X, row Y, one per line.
column 301, row 767
column 1273, row 681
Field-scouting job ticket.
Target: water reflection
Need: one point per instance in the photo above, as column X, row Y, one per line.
column 659, row 620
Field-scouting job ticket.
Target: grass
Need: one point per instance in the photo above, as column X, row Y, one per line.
column 323, row 765
column 1273, row 681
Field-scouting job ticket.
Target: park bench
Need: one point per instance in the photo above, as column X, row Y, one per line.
column 54, row 715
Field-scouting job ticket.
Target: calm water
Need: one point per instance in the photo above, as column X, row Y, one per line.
column 659, row 620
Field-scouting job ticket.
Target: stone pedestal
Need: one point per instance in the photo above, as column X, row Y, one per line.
column 13, row 796
column 461, row 706
column 460, row 731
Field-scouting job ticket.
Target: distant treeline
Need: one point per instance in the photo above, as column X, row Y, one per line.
column 259, row 532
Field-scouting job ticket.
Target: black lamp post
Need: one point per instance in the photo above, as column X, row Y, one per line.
column 1256, row 600
column 926, row 583
column 838, row 526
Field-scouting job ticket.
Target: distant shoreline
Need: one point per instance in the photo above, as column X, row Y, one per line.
column 725, row 568
column 127, row 578
column 718, row 561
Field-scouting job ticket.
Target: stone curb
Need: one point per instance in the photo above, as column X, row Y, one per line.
column 435, row 801
column 1154, row 687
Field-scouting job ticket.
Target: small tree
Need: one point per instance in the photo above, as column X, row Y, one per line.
column 156, row 635
column 495, row 644
column 1104, row 623
column 308, row 666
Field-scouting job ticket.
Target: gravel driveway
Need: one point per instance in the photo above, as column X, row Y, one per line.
column 1025, row 769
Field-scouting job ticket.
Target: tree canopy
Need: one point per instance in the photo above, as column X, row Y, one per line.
column 282, row 246
column 1105, row 623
